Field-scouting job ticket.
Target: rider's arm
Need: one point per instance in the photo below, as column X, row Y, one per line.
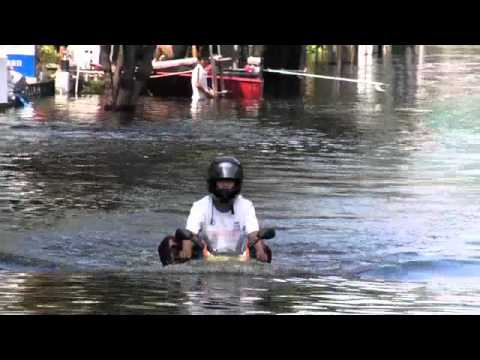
column 208, row 92
column 259, row 246
column 252, row 227
column 194, row 225
column 194, row 220
column 253, row 238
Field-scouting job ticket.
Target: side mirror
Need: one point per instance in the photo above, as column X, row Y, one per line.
column 266, row 234
column 183, row 234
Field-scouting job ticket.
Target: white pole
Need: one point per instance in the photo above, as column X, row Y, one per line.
column 235, row 62
column 214, row 75
column 76, row 80
column 377, row 84
column 3, row 80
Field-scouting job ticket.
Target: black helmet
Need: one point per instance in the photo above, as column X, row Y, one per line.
column 225, row 168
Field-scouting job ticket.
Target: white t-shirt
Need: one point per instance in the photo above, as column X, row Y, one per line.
column 199, row 76
column 226, row 232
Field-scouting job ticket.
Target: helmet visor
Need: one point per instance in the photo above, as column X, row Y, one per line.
column 227, row 170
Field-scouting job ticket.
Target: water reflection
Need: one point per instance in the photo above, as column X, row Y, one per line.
column 120, row 293
column 374, row 196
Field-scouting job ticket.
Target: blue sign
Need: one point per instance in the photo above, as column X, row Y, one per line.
column 24, row 64
column 21, row 58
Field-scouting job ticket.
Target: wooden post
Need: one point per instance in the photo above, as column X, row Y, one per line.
column 116, row 75
column 214, row 74
column 222, row 81
column 380, row 50
column 331, row 51
column 351, row 57
column 122, row 90
column 345, row 55
column 303, row 58
column 339, row 56
column 106, row 62
column 355, row 54
column 235, row 56
column 214, row 69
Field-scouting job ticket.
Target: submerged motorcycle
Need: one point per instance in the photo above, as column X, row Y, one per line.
column 170, row 249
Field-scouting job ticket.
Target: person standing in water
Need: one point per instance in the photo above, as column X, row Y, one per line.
column 200, row 89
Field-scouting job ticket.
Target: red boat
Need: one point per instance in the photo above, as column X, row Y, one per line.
column 173, row 78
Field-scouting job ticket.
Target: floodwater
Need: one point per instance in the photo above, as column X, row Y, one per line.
column 374, row 196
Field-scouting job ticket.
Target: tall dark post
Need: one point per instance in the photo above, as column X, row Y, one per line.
column 355, row 54
column 127, row 68
column 331, row 53
column 380, row 50
column 287, row 57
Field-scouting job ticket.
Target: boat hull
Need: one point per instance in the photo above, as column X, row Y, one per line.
column 237, row 87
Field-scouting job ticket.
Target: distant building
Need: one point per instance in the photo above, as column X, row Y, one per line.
column 84, row 55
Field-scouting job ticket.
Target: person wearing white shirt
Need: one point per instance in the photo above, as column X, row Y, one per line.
column 200, row 89
column 223, row 222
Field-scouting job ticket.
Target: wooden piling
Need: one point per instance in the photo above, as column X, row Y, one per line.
column 214, row 75
column 338, row 58
column 331, row 51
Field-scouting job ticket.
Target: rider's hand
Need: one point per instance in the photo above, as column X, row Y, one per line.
column 260, row 251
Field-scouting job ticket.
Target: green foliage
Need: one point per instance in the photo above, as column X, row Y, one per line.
column 47, row 54
column 93, row 87
column 314, row 48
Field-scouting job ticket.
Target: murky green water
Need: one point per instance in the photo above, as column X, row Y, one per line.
column 374, row 196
